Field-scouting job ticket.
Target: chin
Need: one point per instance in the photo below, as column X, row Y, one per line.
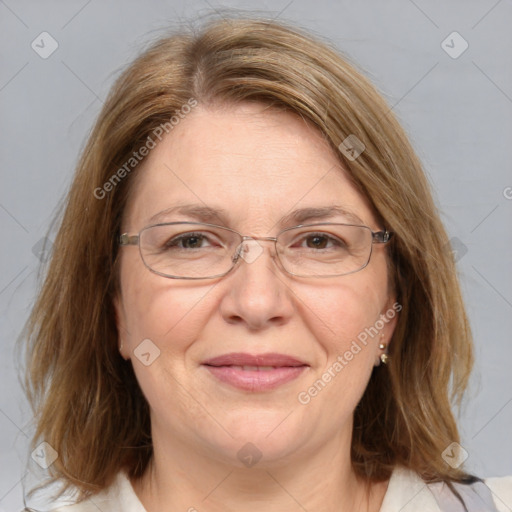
column 261, row 438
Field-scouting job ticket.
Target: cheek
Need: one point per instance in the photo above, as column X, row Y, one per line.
column 164, row 319
column 343, row 319
column 340, row 312
column 169, row 313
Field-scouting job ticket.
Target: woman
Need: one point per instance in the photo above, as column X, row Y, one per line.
column 251, row 301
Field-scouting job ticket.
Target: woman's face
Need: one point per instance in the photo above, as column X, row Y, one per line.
column 256, row 166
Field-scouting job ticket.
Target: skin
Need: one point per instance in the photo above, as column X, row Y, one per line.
column 259, row 165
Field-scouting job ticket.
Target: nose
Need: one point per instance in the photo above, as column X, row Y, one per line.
column 257, row 294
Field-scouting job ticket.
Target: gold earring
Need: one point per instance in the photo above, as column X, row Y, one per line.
column 383, row 357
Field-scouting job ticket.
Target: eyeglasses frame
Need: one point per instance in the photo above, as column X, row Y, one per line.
column 378, row 237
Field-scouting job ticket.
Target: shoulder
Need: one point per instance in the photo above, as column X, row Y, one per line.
column 408, row 492
column 501, row 489
column 119, row 497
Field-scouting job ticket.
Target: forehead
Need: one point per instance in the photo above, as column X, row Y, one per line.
column 256, row 164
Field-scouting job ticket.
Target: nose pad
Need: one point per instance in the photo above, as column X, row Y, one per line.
column 249, row 250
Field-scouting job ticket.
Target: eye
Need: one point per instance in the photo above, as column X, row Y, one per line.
column 188, row 241
column 321, row 241
column 317, row 241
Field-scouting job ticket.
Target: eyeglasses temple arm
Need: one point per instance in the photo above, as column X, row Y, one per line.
column 382, row 237
column 126, row 239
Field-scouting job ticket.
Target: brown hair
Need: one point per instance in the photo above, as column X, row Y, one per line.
column 86, row 400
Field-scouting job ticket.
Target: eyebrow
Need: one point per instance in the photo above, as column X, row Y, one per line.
column 195, row 211
column 319, row 213
column 299, row 216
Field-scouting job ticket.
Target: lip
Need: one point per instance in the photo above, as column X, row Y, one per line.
column 257, row 374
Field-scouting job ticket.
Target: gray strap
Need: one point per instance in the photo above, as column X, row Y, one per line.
column 476, row 496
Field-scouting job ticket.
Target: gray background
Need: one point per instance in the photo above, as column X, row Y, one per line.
column 456, row 110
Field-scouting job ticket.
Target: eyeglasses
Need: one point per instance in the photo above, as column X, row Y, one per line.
column 190, row 250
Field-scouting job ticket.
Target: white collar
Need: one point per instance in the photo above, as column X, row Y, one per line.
column 406, row 492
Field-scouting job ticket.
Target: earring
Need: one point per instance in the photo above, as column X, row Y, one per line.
column 382, row 346
column 383, row 357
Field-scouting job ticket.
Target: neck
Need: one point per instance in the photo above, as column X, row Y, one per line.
column 181, row 478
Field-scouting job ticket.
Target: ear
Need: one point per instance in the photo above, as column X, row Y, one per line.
column 121, row 326
column 390, row 317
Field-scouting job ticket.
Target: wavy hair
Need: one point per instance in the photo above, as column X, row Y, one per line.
column 86, row 401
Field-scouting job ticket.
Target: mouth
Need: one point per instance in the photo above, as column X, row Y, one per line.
column 255, row 372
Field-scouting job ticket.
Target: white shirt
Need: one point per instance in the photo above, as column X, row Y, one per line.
column 406, row 492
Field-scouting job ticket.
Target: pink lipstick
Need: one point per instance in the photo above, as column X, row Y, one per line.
column 260, row 372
